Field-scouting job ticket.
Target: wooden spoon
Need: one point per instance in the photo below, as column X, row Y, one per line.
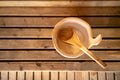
column 69, row 36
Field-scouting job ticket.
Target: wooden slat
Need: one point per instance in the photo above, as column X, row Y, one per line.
column 110, row 75
column 37, row 75
column 85, row 66
column 57, row 0
column 62, row 75
column 70, row 75
column 117, row 75
column 93, row 76
column 53, row 55
column 12, row 75
column 58, row 3
column 78, row 75
column 101, row 76
column 4, row 75
column 47, row 44
column 29, row 75
column 54, row 75
column 85, row 75
column 51, row 21
column 45, row 75
column 20, row 75
column 41, row 32
column 81, row 75
column 58, row 11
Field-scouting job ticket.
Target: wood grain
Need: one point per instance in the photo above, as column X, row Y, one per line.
column 58, row 11
column 79, row 76
column 25, row 39
column 41, row 32
column 57, row 0
column 29, row 75
column 12, row 75
column 83, row 66
column 20, row 75
column 45, row 75
column 93, row 76
column 110, row 75
column 51, row 21
column 37, row 75
column 62, row 75
column 117, row 75
column 53, row 55
column 4, row 75
column 70, row 75
column 101, row 76
column 85, row 75
column 57, row 3
column 54, row 75
column 47, row 44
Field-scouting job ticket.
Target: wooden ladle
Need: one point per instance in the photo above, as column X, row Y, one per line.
column 69, row 36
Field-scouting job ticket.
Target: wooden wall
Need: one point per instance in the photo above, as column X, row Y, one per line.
column 26, row 27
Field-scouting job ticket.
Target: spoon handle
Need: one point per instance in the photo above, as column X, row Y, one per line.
column 90, row 54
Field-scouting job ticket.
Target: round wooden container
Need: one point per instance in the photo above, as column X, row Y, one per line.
column 83, row 31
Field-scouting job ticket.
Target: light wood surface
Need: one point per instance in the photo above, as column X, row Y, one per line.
column 12, row 75
column 62, row 75
column 110, row 75
column 20, row 75
column 37, row 75
column 117, row 75
column 81, row 75
column 93, row 75
column 58, row 3
column 101, row 76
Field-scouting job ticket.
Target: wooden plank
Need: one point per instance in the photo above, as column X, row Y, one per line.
column 82, row 75
column 41, row 32
column 109, row 76
column 53, row 55
column 78, row 75
column 58, row 0
column 47, row 44
column 51, row 21
column 93, row 75
column 54, row 75
column 4, row 75
column 62, row 75
column 70, row 75
column 83, row 66
column 12, row 75
column 37, row 75
column 101, row 76
column 57, row 3
column 20, row 75
column 29, row 75
column 45, row 75
column 58, row 11
column 117, row 75
column 85, row 75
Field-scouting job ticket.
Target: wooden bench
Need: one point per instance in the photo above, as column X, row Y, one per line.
column 59, row 75
column 26, row 27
